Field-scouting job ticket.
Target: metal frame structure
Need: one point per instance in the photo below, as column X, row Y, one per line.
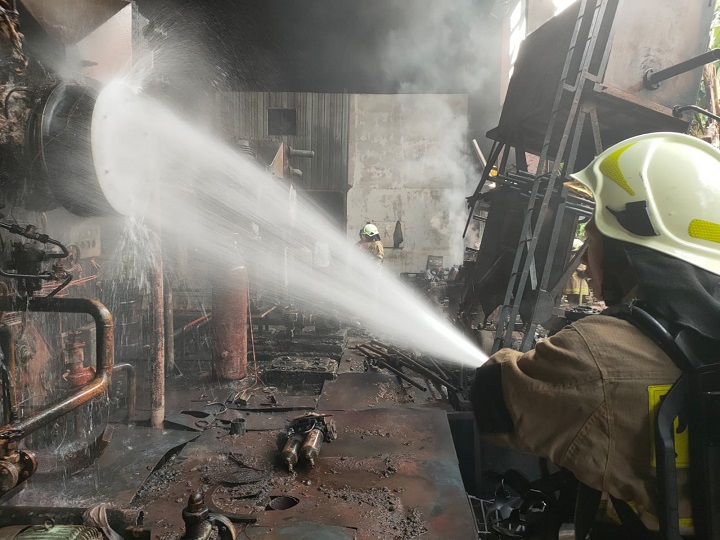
column 585, row 111
column 531, row 232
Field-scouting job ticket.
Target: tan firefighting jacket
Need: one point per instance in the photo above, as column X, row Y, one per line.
column 577, row 283
column 375, row 249
column 581, row 399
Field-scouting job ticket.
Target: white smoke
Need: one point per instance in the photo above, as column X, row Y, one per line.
column 440, row 47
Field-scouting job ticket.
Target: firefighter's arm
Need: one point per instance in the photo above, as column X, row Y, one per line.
column 538, row 401
column 379, row 251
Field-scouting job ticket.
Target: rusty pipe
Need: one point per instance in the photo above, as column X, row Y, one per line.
column 7, row 343
column 169, row 326
column 383, row 363
column 119, row 519
column 229, row 324
column 410, row 363
column 157, row 347
column 131, row 388
column 104, row 358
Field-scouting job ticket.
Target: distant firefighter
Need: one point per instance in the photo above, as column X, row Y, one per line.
column 370, row 241
column 576, row 289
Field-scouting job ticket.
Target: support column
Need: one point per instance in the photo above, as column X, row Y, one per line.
column 157, row 346
column 229, row 324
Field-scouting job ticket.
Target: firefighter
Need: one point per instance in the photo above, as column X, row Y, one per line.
column 583, row 397
column 576, row 289
column 370, row 242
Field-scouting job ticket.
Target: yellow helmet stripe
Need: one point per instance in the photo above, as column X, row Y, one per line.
column 610, row 167
column 704, row 230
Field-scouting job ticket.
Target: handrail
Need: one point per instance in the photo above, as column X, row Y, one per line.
column 104, row 359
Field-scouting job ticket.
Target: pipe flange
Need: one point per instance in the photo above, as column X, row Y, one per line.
column 648, row 83
column 29, row 464
column 9, row 475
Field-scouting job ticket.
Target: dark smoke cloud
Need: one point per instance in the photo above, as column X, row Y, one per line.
column 342, row 45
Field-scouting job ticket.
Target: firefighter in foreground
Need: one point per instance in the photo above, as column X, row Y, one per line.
column 583, row 397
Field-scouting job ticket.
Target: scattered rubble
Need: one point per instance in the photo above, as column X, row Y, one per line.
column 392, row 519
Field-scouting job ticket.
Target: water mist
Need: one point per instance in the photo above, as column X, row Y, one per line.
column 154, row 166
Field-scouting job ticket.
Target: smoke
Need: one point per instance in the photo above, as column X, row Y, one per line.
column 441, row 45
column 439, row 42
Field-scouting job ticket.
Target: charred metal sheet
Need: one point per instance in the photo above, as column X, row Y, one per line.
column 355, row 391
column 392, row 473
column 189, row 421
column 303, row 531
column 276, row 401
column 352, row 360
column 118, row 474
column 199, row 464
column 259, row 421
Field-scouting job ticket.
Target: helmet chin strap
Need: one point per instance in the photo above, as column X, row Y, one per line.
column 618, row 274
column 635, row 218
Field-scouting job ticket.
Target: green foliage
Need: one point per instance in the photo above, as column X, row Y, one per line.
column 580, row 232
column 715, row 28
column 699, row 122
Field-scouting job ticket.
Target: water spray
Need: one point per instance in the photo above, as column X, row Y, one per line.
column 212, row 196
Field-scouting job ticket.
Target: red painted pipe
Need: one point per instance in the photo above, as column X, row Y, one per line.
column 229, row 324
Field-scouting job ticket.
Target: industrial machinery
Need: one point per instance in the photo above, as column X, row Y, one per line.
column 76, row 460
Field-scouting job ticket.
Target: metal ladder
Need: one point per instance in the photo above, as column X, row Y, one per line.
column 530, row 233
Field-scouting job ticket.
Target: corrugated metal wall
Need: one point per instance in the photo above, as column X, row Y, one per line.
column 322, row 126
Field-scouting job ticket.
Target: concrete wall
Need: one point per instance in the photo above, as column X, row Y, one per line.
column 406, row 163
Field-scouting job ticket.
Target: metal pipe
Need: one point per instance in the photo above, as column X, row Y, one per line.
column 400, row 374
column 104, row 358
column 197, row 322
column 7, row 343
column 652, row 79
column 229, row 323
column 414, row 365
column 380, row 361
column 479, row 153
column 157, row 347
column 169, row 328
column 131, row 388
column 449, row 376
column 119, row 519
column 679, row 110
column 294, row 152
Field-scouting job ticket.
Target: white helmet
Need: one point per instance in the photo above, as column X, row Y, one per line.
column 370, row 230
column 661, row 191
